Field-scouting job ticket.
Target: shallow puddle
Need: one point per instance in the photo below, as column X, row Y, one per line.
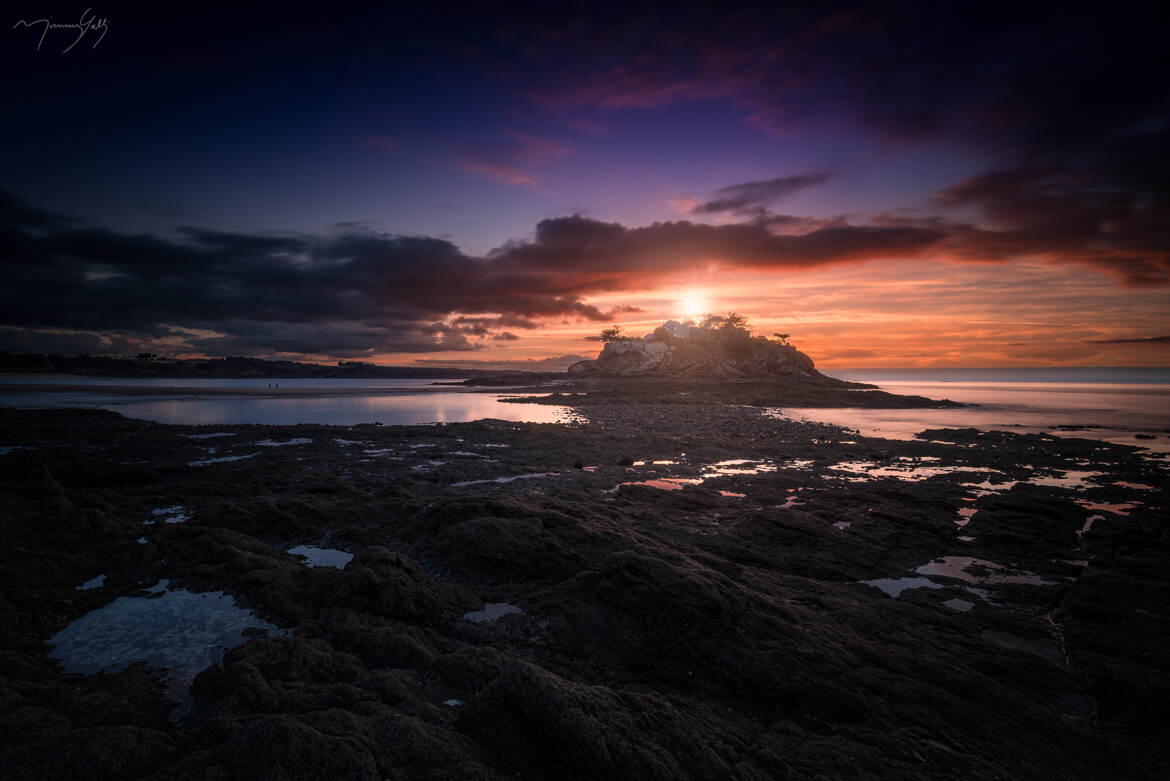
column 175, row 514
column 737, row 466
column 181, row 631
column 491, row 611
column 322, row 557
column 956, row 567
column 959, row 604
column 895, row 586
column 1118, row 508
column 381, row 451
column 221, row 459
column 1089, row 524
column 868, row 471
column 505, row 479
column 662, row 483
column 1072, row 479
column 988, row 487
column 89, row 585
column 286, row 443
column 1135, row 486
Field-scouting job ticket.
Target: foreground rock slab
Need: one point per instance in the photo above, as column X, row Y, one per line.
column 667, row 591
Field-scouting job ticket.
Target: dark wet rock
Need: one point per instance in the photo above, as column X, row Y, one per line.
column 384, row 583
column 279, row 747
column 715, row 631
column 504, row 548
column 92, row 753
column 544, row 726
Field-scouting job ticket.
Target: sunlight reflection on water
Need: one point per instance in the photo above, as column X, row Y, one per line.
column 1114, row 412
column 390, row 409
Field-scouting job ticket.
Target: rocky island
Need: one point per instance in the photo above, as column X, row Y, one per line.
column 669, row 587
column 719, row 361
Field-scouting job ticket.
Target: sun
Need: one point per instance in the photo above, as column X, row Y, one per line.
column 693, row 304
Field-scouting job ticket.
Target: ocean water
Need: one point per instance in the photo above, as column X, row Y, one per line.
column 390, row 402
column 1108, row 375
column 247, row 383
column 1131, row 407
column 1113, row 404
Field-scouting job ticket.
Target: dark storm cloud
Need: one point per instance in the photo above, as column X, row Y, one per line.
column 1112, row 213
column 752, row 195
column 579, row 255
column 357, row 292
column 555, row 363
column 347, row 295
column 1033, row 78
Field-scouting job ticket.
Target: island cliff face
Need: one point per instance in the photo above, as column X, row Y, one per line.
column 679, row 349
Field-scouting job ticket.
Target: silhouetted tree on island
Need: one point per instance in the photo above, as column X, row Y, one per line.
column 612, row 334
column 735, row 321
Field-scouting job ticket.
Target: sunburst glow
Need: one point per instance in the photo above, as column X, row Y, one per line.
column 693, row 304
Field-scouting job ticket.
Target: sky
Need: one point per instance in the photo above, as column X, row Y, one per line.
column 892, row 184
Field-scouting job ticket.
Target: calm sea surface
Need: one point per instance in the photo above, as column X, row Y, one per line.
column 1115, row 405
column 389, row 401
column 1110, row 404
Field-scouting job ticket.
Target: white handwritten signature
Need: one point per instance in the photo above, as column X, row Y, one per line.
column 82, row 27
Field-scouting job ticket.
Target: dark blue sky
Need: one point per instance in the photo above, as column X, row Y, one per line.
column 977, row 134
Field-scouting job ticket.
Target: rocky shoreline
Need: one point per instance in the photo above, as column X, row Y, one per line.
column 624, row 391
column 670, row 590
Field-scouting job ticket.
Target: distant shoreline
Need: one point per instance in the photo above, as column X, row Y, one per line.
column 187, row 390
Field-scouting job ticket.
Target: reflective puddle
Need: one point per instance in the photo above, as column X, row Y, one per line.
column 175, row 514
column 957, row 567
column 529, row 476
column 180, row 631
column 662, row 483
column 491, row 611
column 911, row 472
column 895, row 586
column 737, row 466
column 322, row 557
column 221, row 460
column 1118, row 508
column 286, row 443
column 1072, row 479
